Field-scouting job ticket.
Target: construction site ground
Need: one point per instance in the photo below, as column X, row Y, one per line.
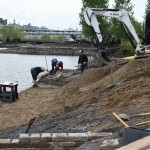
column 83, row 104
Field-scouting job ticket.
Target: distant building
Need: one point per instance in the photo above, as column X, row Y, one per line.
column 70, row 29
column 15, row 24
column 36, row 32
column 3, row 22
column 1, row 26
column 30, row 27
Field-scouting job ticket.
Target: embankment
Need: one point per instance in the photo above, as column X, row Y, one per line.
column 69, row 50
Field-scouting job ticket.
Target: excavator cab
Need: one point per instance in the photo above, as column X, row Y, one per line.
column 147, row 29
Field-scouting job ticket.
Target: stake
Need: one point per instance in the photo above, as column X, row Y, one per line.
column 47, row 69
column 111, row 76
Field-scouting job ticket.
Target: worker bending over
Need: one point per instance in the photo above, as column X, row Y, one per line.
column 59, row 65
column 34, row 72
column 54, row 62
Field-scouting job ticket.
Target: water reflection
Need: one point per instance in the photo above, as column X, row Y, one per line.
column 2, row 48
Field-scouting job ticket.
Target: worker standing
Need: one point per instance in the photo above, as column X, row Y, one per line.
column 107, row 50
column 34, row 72
column 54, row 62
column 82, row 61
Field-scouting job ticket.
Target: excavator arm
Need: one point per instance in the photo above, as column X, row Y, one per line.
column 122, row 15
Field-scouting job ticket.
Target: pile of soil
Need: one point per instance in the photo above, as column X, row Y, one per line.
column 84, row 104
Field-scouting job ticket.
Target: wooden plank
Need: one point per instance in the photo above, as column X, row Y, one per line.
column 142, row 144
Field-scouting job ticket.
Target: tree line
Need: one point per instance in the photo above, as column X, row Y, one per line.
column 113, row 24
column 10, row 33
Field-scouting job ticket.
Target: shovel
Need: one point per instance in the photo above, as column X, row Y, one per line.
column 79, row 65
column 126, row 117
column 30, row 123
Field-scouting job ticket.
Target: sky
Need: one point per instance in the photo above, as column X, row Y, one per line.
column 53, row 14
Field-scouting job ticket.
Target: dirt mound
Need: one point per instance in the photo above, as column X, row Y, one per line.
column 85, row 86
column 87, row 101
column 92, row 82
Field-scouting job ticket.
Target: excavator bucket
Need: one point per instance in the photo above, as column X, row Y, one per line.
column 101, row 53
column 102, row 57
column 105, row 56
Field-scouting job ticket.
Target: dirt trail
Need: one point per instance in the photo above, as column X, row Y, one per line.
column 32, row 102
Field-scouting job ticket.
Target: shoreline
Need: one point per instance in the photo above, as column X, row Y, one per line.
column 42, row 79
column 49, row 49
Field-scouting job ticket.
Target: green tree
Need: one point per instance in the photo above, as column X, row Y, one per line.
column 17, row 34
column 59, row 37
column 116, row 24
column 35, row 37
column 8, row 33
column 45, row 36
column 147, row 9
column 139, row 27
column 87, row 30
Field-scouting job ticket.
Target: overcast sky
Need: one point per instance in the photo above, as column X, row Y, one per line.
column 54, row 14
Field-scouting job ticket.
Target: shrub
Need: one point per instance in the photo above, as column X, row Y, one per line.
column 125, row 46
column 17, row 48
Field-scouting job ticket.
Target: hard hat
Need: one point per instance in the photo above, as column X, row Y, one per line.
column 57, row 66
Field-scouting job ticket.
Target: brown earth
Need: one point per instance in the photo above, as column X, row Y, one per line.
column 129, row 95
column 88, row 100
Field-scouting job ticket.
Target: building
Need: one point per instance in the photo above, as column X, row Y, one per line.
column 3, row 22
column 34, row 32
column 29, row 27
column 14, row 24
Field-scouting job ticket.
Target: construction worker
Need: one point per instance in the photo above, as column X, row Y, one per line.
column 34, row 72
column 58, row 65
column 54, row 62
column 107, row 50
column 82, row 61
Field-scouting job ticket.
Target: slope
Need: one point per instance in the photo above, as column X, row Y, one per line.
column 85, row 103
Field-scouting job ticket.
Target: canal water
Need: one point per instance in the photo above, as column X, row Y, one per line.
column 16, row 67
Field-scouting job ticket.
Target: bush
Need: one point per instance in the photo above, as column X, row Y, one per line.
column 7, row 39
column 126, row 46
column 17, row 48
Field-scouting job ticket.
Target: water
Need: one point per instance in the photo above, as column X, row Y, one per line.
column 16, row 67
column 2, row 48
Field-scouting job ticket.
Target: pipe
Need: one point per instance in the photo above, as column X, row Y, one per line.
column 120, row 120
column 47, row 68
